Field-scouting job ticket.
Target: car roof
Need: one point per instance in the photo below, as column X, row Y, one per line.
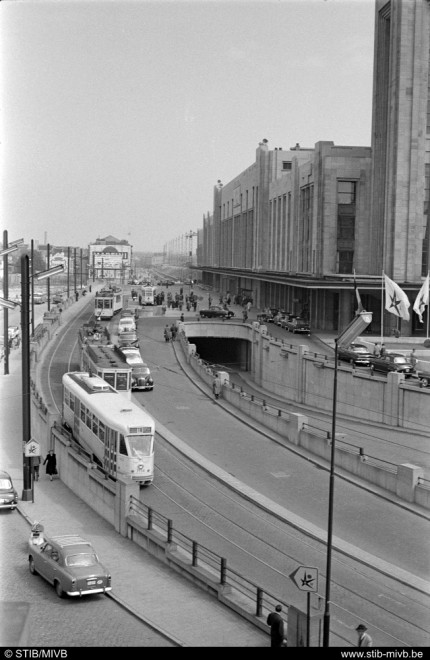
column 68, row 540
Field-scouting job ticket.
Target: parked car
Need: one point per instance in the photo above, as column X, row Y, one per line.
column 126, row 324
column 8, row 494
column 69, row 563
column 13, row 332
column 357, row 354
column 392, row 362
column 280, row 316
column 58, row 297
column 128, row 338
column 285, row 318
column 298, row 325
column 267, row 316
column 216, row 311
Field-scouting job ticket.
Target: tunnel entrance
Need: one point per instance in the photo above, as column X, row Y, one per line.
column 234, row 354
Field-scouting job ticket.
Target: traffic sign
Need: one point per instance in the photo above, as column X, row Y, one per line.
column 32, row 448
column 305, row 578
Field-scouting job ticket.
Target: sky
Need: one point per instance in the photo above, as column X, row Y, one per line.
column 119, row 117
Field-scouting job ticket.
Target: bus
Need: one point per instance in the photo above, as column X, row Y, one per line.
column 148, row 295
column 141, row 378
column 118, row 433
column 108, row 302
column 106, row 362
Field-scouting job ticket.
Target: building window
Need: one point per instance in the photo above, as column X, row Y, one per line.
column 346, row 211
column 286, row 165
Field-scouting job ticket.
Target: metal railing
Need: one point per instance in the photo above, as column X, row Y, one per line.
column 255, row 599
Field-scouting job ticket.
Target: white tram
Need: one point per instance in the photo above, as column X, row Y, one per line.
column 118, row 433
column 108, row 302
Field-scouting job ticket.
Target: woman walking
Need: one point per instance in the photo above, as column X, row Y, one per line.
column 51, row 463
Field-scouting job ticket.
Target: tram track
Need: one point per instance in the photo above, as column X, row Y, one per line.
column 197, row 504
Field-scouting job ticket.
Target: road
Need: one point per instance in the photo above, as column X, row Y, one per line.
column 222, row 521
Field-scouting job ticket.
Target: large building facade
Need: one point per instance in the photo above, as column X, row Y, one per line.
column 299, row 227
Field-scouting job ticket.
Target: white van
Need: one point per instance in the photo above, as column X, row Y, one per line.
column 126, row 324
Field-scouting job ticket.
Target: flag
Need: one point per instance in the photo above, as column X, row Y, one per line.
column 357, row 295
column 396, row 300
column 422, row 299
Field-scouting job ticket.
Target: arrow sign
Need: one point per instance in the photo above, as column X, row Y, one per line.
column 305, row 578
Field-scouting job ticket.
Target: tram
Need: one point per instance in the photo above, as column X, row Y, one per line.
column 118, row 433
column 108, row 302
column 109, row 364
column 148, row 295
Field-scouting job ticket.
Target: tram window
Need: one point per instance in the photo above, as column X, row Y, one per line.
column 122, row 446
column 121, row 381
column 108, row 303
column 88, row 419
column 67, row 398
column 101, row 431
column 72, row 402
column 110, row 378
column 95, row 425
column 82, row 413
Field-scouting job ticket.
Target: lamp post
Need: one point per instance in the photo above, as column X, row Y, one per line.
column 7, row 249
column 25, row 329
column 351, row 332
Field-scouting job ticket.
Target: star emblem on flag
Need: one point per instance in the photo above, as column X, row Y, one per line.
column 395, row 303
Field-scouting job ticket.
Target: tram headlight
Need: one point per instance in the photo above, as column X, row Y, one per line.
column 140, row 467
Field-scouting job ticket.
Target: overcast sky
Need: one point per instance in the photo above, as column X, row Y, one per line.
column 119, row 117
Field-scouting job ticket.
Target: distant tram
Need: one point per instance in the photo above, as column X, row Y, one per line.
column 108, row 302
column 106, row 362
column 148, row 295
column 118, row 433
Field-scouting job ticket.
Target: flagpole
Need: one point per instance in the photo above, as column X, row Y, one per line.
column 382, row 307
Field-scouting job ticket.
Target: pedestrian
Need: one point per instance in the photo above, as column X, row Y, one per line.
column 209, row 301
column 182, row 317
column 276, row 623
column 245, row 315
column 36, row 465
column 216, row 387
column 167, row 333
column 413, row 358
column 51, row 463
column 377, row 349
column 383, row 350
column 249, row 305
column 364, row 639
column 173, row 331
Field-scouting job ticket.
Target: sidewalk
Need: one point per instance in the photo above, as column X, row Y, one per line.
column 154, row 592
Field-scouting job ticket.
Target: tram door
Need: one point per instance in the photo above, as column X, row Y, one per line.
column 109, row 458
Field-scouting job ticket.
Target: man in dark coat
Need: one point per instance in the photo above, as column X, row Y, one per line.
column 276, row 623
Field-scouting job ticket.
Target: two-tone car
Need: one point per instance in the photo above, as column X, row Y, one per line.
column 392, row 362
column 216, row 311
column 8, row 494
column 299, row 325
column 357, row 354
column 69, row 563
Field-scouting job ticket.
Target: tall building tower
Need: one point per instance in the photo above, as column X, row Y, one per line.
column 400, row 235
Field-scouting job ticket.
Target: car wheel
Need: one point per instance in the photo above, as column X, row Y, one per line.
column 59, row 590
column 31, row 566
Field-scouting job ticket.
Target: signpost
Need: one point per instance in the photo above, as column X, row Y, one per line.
column 306, row 579
column 32, row 449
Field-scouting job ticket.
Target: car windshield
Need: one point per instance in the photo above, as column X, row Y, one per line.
column 5, row 484
column 359, row 349
column 400, row 360
column 82, row 559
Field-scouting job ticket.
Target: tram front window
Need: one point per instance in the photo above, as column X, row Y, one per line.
column 122, row 381
column 140, row 445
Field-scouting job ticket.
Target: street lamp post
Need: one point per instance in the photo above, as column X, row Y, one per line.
column 351, row 332
column 25, row 330
column 7, row 249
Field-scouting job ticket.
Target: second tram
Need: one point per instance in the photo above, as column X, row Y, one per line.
column 109, row 364
column 108, row 302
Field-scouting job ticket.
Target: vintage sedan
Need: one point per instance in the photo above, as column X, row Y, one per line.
column 69, row 563
column 392, row 362
column 298, row 325
column 8, row 494
column 357, row 354
column 268, row 315
column 216, row 311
